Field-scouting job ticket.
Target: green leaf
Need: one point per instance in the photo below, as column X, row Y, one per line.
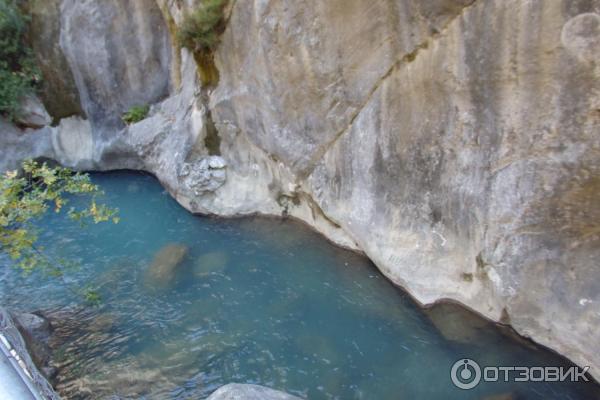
column 23, row 199
column 92, row 297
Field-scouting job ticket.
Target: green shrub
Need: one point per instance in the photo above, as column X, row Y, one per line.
column 200, row 30
column 136, row 114
column 18, row 73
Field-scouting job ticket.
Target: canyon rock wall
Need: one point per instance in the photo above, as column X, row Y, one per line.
column 455, row 142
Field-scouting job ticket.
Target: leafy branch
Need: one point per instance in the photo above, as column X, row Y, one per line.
column 27, row 196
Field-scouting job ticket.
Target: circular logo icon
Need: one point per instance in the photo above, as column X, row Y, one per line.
column 465, row 374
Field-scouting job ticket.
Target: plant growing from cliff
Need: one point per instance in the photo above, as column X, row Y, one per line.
column 200, row 33
column 27, row 196
column 200, row 29
column 18, row 73
column 136, row 114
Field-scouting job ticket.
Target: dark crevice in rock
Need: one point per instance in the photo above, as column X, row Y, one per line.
column 504, row 317
column 286, row 201
column 207, row 70
column 57, row 90
column 212, row 140
column 317, row 211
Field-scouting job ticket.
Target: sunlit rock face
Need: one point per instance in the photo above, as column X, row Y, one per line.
column 455, row 142
column 456, row 145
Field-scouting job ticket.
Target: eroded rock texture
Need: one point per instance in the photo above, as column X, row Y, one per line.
column 118, row 52
column 455, row 142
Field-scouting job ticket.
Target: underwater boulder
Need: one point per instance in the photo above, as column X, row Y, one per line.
column 457, row 324
column 161, row 272
column 210, row 263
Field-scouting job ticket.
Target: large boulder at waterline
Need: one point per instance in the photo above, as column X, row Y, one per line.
column 36, row 331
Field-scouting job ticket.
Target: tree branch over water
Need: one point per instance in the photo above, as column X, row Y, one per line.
column 27, row 195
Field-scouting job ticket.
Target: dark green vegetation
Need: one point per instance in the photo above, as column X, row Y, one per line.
column 26, row 197
column 136, row 114
column 200, row 29
column 200, row 33
column 18, row 73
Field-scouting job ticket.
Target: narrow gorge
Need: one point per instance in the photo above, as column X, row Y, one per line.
column 456, row 143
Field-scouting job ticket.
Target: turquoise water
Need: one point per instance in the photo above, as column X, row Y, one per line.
column 254, row 300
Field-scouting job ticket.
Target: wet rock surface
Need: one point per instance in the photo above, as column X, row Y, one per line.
column 36, row 331
column 235, row 391
column 457, row 324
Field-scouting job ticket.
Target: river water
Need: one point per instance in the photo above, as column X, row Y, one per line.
column 252, row 300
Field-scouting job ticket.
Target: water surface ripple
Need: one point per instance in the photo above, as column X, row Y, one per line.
column 253, row 301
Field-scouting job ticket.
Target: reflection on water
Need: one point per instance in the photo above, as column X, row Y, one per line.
column 192, row 303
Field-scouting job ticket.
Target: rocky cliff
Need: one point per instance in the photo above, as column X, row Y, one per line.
column 455, row 142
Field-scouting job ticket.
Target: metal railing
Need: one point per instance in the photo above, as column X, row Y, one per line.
column 19, row 377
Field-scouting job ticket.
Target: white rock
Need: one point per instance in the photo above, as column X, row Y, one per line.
column 236, row 391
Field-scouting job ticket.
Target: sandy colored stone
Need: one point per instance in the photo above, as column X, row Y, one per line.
column 162, row 271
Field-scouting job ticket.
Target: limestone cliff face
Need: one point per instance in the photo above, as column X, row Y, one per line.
column 455, row 142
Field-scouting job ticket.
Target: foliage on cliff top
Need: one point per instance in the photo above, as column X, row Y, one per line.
column 200, row 29
column 26, row 197
column 18, row 73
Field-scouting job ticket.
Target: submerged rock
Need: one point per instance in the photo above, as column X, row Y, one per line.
column 503, row 396
column 318, row 347
column 161, row 272
column 210, row 263
column 36, row 331
column 126, row 380
column 18, row 348
column 237, row 391
column 33, row 324
column 102, row 323
column 457, row 324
